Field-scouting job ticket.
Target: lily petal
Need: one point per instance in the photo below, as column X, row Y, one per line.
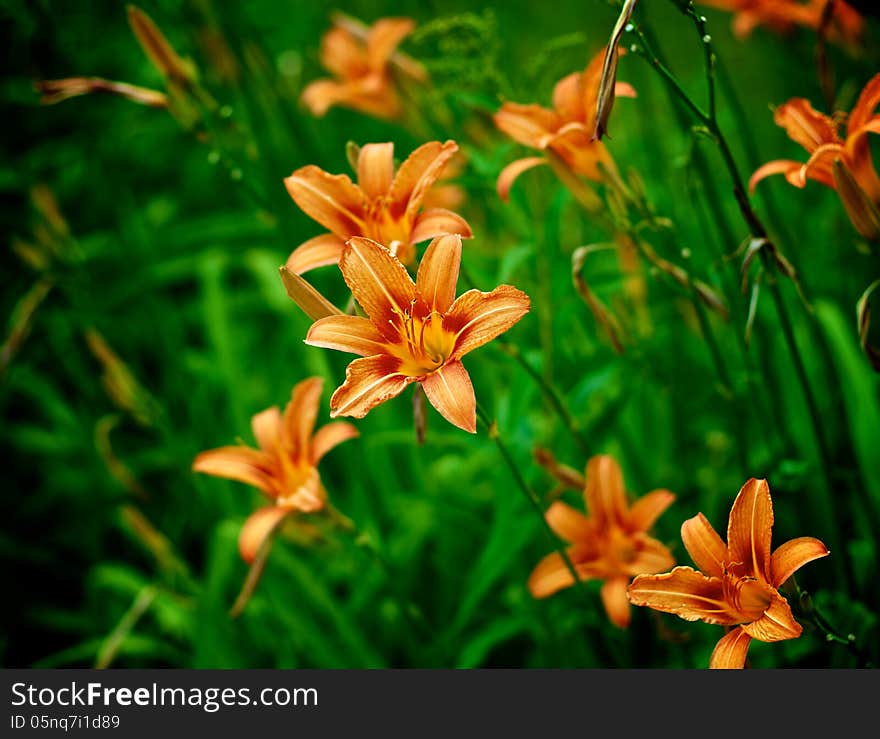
column 551, row 574
column 319, row 251
column 528, row 125
column 614, row 599
column 749, row 529
column 704, row 545
column 819, row 166
column 258, row 526
column 300, row 415
column 479, row 317
column 730, row 651
column 865, row 106
column 239, row 463
column 384, row 37
column 353, row 334
column 567, row 523
column 419, row 171
column 791, row 556
column 804, row 124
column 788, row 167
column 651, row 556
column 266, row 426
column 342, row 53
column 438, row 272
column 321, row 95
column 776, row 624
column 368, row 382
column 329, row 436
column 334, row 201
column 450, row 391
column 647, row 509
column 436, row 222
column 605, row 493
column 568, row 97
column 513, row 170
column 375, row 169
column 684, row 592
column 378, row 281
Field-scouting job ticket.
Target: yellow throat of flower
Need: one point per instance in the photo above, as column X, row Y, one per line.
column 425, row 344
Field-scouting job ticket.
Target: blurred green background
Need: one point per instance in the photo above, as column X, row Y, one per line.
column 165, row 250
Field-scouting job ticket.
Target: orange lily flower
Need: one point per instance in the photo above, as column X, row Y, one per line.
column 359, row 59
column 738, row 582
column 567, row 130
column 782, row 16
column 818, row 134
column 414, row 332
column 284, row 466
column 610, row 544
column 384, row 205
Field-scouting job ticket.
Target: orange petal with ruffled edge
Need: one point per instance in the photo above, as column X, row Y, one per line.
column 777, row 623
column 706, row 548
column 353, row 334
column 450, row 391
column 379, row 282
column 368, row 382
column 820, row 165
column 477, row 317
column 730, row 651
column 749, row 529
column 319, row 251
column 604, row 493
column 375, row 169
column 567, row 523
column 329, row 436
column 686, row 593
column 863, row 110
column 437, row 277
column 513, row 170
column 300, row 416
column 334, row 201
column 239, row 463
column 384, row 37
column 266, row 426
column 805, row 125
column 551, row 574
column 436, row 222
column 528, row 125
column 419, row 171
column 644, row 512
column 614, row 599
column 791, row 556
column 257, row 528
column 858, row 156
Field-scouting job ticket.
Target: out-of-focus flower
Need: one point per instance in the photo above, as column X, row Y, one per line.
column 567, row 130
column 54, row 91
column 384, row 205
column 737, row 585
column 610, row 543
column 360, row 60
column 414, row 332
column 854, row 177
column 783, row 16
column 285, row 464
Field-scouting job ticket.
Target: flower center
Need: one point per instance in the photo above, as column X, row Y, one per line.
column 749, row 596
column 425, row 344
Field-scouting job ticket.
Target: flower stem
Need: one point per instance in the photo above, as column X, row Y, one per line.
column 534, row 501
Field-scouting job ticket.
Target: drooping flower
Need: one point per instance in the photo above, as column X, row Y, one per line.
column 738, row 583
column 819, row 135
column 285, row 464
column 568, row 130
column 783, row 16
column 610, row 543
column 360, row 58
column 385, row 205
column 414, row 332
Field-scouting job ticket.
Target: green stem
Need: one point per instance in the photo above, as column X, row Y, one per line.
column 534, row 501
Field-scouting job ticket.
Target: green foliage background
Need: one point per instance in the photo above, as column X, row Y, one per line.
column 172, row 257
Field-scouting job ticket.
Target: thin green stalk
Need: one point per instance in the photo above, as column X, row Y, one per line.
column 531, row 496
